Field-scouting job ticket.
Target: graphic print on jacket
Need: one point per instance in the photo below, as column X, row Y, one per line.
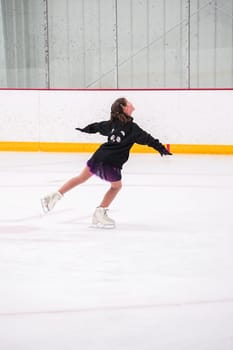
column 116, row 135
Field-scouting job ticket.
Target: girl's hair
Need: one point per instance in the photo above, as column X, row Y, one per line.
column 117, row 110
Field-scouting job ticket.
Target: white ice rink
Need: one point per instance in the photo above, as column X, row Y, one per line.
column 162, row 280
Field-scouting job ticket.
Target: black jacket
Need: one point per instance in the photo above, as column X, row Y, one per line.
column 121, row 137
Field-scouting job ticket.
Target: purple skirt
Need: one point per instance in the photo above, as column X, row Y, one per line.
column 104, row 171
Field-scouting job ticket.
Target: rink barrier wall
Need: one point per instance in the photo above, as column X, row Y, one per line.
column 91, row 147
column 187, row 120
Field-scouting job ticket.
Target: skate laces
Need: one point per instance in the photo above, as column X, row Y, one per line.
column 106, row 212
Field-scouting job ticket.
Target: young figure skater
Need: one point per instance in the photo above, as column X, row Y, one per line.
column 122, row 132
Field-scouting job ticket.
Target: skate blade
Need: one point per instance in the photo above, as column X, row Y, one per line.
column 99, row 225
column 44, row 206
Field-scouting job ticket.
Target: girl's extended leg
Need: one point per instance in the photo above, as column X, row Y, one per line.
column 49, row 201
column 75, row 181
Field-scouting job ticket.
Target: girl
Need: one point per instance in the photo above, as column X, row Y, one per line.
column 122, row 132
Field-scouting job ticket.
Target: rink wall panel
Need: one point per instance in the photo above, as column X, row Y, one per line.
column 190, row 121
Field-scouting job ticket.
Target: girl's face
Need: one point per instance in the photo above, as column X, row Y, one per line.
column 129, row 108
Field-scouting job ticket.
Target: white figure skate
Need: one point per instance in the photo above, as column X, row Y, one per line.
column 100, row 219
column 49, row 201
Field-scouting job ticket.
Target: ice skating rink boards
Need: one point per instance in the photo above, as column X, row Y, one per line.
column 161, row 280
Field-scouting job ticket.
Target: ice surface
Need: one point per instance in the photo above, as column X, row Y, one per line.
column 161, row 280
